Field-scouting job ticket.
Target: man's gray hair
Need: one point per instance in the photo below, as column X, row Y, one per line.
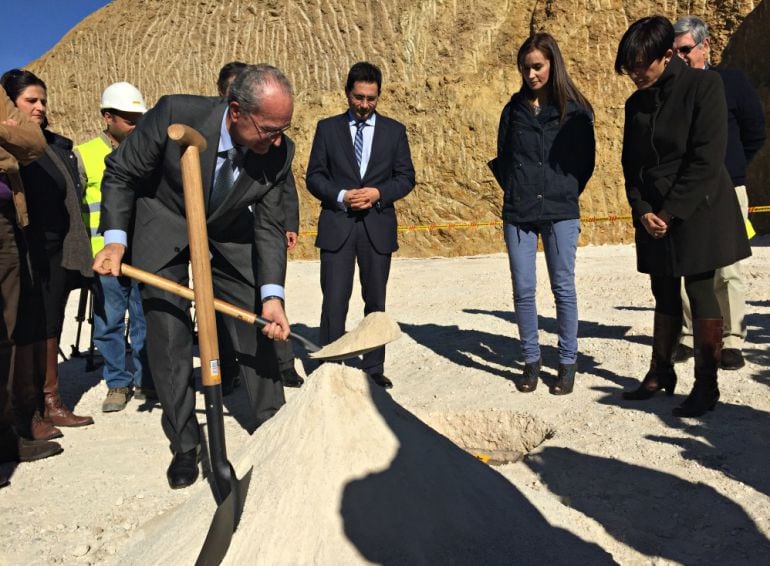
column 248, row 88
column 694, row 26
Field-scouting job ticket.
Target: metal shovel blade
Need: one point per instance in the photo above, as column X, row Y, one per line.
column 224, row 522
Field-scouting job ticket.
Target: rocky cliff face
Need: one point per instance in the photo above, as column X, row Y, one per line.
column 449, row 67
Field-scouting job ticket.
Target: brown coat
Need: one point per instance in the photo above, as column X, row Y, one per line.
column 673, row 160
column 21, row 142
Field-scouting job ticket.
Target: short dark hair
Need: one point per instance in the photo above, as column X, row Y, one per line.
column 15, row 81
column 366, row 73
column 227, row 73
column 645, row 41
column 249, row 85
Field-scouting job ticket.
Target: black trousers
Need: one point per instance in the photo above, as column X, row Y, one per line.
column 699, row 289
column 170, row 351
column 337, row 272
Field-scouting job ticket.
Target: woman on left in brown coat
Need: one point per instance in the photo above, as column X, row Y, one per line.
column 684, row 208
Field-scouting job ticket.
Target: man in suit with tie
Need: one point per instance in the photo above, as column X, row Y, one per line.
column 360, row 165
column 247, row 159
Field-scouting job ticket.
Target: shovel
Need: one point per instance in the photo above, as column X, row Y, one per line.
column 348, row 346
column 229, row 492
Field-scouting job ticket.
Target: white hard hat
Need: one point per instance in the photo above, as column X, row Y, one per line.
column 124, row 97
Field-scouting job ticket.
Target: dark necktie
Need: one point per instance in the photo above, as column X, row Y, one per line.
column 225, row 179
column 359, row 143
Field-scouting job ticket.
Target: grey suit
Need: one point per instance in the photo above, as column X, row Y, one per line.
column 142, row 195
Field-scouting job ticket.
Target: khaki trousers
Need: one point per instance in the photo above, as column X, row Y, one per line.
column 730, row 292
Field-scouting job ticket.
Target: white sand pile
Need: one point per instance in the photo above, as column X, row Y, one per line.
column 375, row 330
column 344, row 475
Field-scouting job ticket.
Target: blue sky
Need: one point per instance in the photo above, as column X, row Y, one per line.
column 32, row 27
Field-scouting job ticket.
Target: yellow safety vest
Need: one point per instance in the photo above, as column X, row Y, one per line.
column 93, row 153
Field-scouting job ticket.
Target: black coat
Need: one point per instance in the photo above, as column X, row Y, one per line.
column 543, row 164
column 673, row 160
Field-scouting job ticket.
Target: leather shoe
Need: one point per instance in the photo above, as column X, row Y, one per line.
column 183, row 470
column 682, row 353
column 381, row 380
column 291, row 378
column 732, row 358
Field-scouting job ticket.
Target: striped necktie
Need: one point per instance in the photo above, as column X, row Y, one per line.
column 359, row 143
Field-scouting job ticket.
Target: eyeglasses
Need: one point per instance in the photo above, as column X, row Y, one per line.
column 269, row 134
column 685, row 49
column 363, row 97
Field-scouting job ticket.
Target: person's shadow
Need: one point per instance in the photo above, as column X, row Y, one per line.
column 656, row 513
column 436, row 504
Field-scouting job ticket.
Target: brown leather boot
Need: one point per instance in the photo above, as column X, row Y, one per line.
column 55, row 410
column 43, row 429
column 58, row 413
column 665, row 337
column 707, row 338
column 27, row 388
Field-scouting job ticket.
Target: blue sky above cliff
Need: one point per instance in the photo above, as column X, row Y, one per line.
column 32, row 27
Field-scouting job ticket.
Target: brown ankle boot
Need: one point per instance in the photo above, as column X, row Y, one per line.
column 666, row 331
column 42, row 429
column 707, row 337
column 58, row 413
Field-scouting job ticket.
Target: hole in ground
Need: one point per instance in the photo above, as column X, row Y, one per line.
column 494, row 436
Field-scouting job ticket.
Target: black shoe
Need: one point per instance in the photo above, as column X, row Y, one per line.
column 702, row 398
column 381, row 380
column 732, row 358
column 527, row 381
column 291, row 378
column 682, row 354
column 566, row 381
column 183, row 470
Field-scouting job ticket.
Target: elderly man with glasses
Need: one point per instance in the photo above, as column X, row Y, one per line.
column 248, row 158
column 746, row 135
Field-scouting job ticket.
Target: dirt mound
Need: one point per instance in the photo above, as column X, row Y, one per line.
column 344, row 475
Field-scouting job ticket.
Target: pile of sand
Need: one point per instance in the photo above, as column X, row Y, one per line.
column 343, row 475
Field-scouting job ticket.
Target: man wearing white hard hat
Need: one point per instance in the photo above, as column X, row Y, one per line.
column 121, row 106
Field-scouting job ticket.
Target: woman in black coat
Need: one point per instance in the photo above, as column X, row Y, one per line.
column 684, row 208
column 57, row 253
column 545, row 157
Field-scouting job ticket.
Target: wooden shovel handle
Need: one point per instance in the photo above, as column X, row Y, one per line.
column 182, row 291
column 186, row 136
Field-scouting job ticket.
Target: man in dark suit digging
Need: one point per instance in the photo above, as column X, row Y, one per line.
column 247, row 158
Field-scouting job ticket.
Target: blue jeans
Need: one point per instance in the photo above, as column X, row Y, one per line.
column 560, row 246
column 114, row 296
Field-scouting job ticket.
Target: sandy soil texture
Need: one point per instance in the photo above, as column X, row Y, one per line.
column 347, row 475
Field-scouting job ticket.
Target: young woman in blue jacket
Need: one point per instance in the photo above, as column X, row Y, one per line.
column 545, row 157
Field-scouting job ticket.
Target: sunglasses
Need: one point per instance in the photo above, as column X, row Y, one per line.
column 685, row 49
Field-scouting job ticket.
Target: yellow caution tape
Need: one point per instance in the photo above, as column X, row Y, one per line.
column 499, row 223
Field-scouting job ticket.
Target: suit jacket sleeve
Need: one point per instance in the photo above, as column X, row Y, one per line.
column 402, row 178
column 319, row 172
column 137, row 159
column 270, row 239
